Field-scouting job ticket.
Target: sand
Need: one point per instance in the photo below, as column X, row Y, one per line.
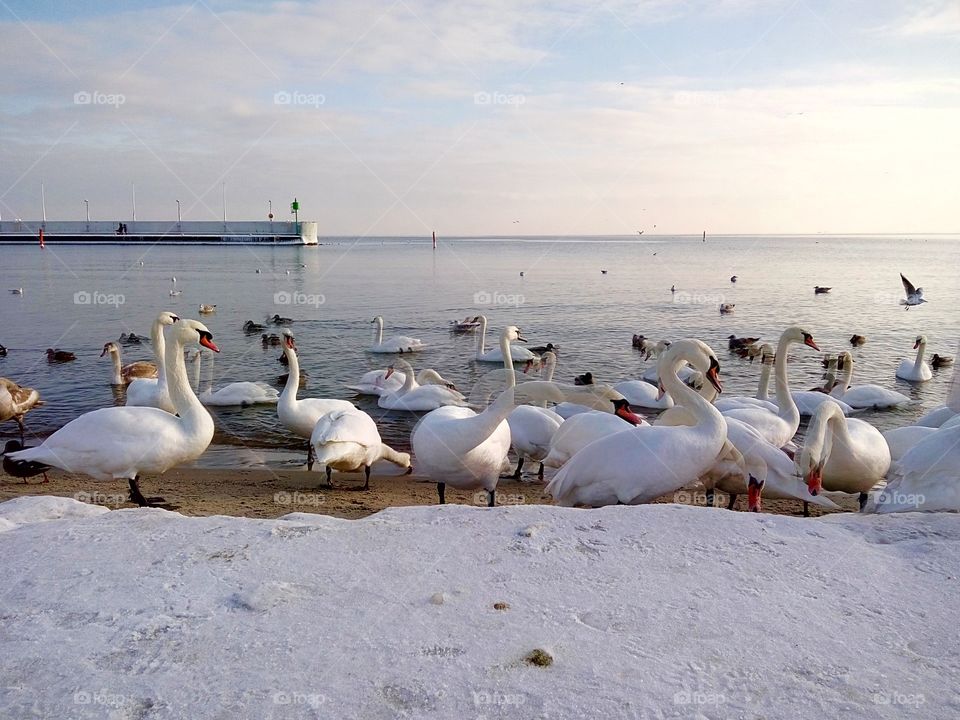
column 266, row 493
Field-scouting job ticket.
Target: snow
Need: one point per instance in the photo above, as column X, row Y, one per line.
column 656, row 611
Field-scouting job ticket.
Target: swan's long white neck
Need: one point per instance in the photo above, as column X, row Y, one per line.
column 482, row 336
column 508, row 360
column 185, row 402
column 918, row 363
column 117, row 367
column 789, row 412
column 549, row 366
column 159, row 352
column 845, row 379
column 288, row 397
column 378, row 330
column 828, row 423
column 763, row 389
column 705, row 413
column 409, row 380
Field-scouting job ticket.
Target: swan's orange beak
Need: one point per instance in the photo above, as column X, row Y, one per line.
column 626, row 414
column 389, row 372
column 754, row 489
column 713, row 375
column 288, row 341
column 815, row 481
column 808, row 340
column 206, row 339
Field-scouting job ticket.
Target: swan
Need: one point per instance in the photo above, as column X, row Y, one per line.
column 651, row 375
column 300, row 416
column 901, row 439
column 642, row 463
column 16, row 401
column 395, row 344
column 864, row 396
column 459, row 447
column 842, row 454
column 580, row 430
column 414, row 398
column 760, row 400
column 124, row 375
column 926, row 478
column 243, row 394
column 145, row 392
column 936, row 417
column 532, row 428
column 918, row 370
column 640, row 393
column 380, row 382
column 517, row 353
column 778, row 428
column 125, row 442
column 347, row 440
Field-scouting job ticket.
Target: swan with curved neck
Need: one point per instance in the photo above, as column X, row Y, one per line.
column 417, row 398
column 395, row 344
column 459, row 447
column 778, row 428
column 124, row 442
column 864, row 396
column 842, row 454
column 381, row 382
column 125, row 374
column 763, row 387
column 154, row 393
column 300, row 416
column 641, row 464
column 496, row 355
column 918, row 370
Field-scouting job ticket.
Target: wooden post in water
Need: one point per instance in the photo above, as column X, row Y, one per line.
column 434, row 239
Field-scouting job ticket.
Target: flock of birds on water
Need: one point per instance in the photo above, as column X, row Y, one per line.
column 595, row 435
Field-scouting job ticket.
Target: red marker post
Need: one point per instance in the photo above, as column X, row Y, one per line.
column 42, row 245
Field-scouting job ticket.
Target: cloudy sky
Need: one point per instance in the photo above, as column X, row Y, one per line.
column 571, row 117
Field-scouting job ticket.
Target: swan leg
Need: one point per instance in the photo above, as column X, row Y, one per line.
column 517, row 472
column 136, row 496
column 732, row 503
column 863, row 501
column 806, row 509
column 20, row 425
column 493, row 499
column 540, row 472
column 366, row 472
column 309, row 456
column 711, row 498
column 329, row 477
column 441, row 488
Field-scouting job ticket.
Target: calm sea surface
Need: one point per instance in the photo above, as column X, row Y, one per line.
column 562, row 298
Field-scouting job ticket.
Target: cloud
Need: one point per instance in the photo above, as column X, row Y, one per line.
column 939, row 18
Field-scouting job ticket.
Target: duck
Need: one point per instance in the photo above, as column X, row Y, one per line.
column 733, row 278
column 347, row 440
column 727, row 308
column 207, row 309
column 820, row 290
column 858, row 340
column 585, row 379
column 251, row 327
column 645, row 346
column 842, row 454
column 272, row 340
column 176, row 293
column 918, row 370
column 3, row 351
column 16, row 402
column 940, row 361
column 125, row 374
column 59, row 355
column 147, row 392
column 640, row 464
column 126, row 442
column 735, row 343
column 277, row 320
column 417, row 398
column 396, row 344
column 17, row 291
column 22, row 468
column 130, row 339
column 300, row 416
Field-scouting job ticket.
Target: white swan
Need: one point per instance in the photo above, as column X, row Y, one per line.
column 918, row 370
column 842, row 454
column 926, row 478
column 640, row 393
column 125, row 374
column 348, row 440
column 517, row 353
column 380, row 382
column 417, row 398
column 532, row 428
column 456, row 446
column 900, row 440
column 763, row 388
column 143, row 392
column 864, row 396
column 582, row 429
column 778, row 428
column 124, row 442
column 936, row 417
column 300, row 416
column 641, row 464
column 241, row 393
column 394, row 344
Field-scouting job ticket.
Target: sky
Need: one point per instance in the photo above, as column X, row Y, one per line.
column 487, row 118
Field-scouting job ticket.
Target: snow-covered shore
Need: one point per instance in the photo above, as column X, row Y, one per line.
column 648, row 612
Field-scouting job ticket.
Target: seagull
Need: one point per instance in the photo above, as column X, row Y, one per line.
column 820, row 290
column 17, row 291
column 733, row 278
column 174, row 293
column 914, row 294
column 603, row 272
column 521, row 273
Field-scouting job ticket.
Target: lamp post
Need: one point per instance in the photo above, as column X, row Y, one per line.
column 270, row 214
column 87, row 203
column 178, row 214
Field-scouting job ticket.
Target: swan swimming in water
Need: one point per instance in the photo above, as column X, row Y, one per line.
column 395, row 344
column 918, row 370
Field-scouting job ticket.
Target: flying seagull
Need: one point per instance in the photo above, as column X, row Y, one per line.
column 914, row 294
